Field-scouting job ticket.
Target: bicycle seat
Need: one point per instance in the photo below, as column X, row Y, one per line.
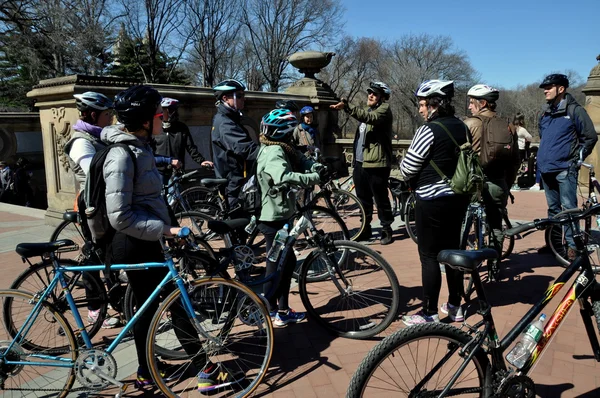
column 213, row 182
column 71, row 216
column 38, row 249
column 466, row 260
column 227, row 226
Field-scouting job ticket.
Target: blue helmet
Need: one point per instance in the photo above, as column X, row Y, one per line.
column 278, row 123
column 306, row 110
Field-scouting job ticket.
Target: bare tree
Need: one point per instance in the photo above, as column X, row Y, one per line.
column 279, row 28
column 214, row 26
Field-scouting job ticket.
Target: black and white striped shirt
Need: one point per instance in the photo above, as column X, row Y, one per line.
column 414, row 162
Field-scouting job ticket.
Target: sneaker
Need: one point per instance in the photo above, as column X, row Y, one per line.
column 108, row 323
column 535, row 187
column 386, row 236
column 454, row 312
column 420, row 318
column 218, row 377
column 291, row 317
column 167, row 372
column 143, row 379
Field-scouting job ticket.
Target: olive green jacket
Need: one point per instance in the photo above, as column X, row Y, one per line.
column 273, row 169
column 377, row 149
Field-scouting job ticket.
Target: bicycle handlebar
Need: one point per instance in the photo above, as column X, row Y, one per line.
column 546, row 222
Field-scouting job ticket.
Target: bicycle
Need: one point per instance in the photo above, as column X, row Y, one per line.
column 39, row 350
column 555, row 235
column 403, row 204
column 442, row 360
column 350, row 300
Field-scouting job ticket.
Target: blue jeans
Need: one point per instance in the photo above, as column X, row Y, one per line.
column 561, row 194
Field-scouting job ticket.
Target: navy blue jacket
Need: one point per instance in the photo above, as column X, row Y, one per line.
column 564, row 130
column 233, row 150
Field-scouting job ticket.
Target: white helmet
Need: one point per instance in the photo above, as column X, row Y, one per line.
column 169, row 102
column 431, row 88
column 482, row 91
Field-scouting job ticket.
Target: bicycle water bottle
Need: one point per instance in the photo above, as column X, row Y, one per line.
column 251, row 225
column 524, row 348
column 278, row 244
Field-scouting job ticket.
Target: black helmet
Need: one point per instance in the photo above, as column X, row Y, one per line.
column 555, row 78
column 137, row 105
column 228, row 86
column 287, row 104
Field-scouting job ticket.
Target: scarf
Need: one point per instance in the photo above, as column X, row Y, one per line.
column 88, row 128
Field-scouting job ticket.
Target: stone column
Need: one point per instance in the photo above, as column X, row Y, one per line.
column 592, row 106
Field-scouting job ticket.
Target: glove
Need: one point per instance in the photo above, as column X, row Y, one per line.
column 324, row 175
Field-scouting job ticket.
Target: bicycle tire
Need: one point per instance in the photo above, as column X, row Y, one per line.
column 339, row 232
column 47, row 324
column 239, row 347
column 36, row 278
column 508, row 242
column 197, row 222
column 555, row 239
column 198, row 198
column 349, row 208
column 384, row 354
column 596, row 311
column 324, row 307
column 69, row 230
column 409, row 217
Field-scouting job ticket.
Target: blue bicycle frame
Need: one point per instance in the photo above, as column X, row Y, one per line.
column 172, row 275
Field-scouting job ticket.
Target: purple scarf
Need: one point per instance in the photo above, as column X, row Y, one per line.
column 88, row 128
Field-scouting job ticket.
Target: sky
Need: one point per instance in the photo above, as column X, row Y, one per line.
column 508, row 42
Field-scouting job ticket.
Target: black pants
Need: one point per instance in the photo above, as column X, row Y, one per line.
column 278, row 300
column 438, row 224
column 125, row 249
column 373, row 183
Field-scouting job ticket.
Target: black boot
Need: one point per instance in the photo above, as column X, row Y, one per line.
column 386, row 236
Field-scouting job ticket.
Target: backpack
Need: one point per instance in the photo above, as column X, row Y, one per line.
column 468, row 177
column 499, row 143
column 95, row 196
column 250, row 196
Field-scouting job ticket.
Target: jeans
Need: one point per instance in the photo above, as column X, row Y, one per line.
column 373, row 183
column 561, row 194
column 438, row 224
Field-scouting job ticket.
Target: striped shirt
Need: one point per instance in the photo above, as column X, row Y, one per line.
column 415, row 160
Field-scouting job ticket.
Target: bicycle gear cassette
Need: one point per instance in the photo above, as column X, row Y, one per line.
column 517, row 387
column 92, row 362
column 15, row 354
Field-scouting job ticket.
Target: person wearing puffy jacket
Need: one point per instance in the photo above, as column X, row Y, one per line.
column 138, row 212
column 278, row 163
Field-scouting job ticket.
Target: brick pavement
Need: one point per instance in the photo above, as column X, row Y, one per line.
column 307, row 362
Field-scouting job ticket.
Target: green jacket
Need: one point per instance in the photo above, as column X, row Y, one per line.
column 377, row 150
column 274, row 168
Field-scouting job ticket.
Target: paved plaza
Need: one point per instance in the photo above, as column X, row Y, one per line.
column 307, row 362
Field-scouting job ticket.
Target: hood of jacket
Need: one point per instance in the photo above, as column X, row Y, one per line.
column 562, row 106
column 116, row 133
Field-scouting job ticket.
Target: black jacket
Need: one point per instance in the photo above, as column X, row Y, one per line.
column 175, row 141
column 234, row 152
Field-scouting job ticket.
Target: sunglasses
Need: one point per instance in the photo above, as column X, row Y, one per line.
column 159, row 115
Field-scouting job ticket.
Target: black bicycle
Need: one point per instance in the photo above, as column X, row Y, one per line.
column 441, row 360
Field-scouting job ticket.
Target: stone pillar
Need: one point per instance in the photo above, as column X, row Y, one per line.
column 592, row 106
column 320, row 96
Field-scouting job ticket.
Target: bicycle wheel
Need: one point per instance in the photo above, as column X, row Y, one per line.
column 424, row 356
column 556, row 240
column 49, row 335
column 409, row 217
column 197, row 222
column 371, row 292
column 199, row 199
column 239, row 331
column 35, row 279
column 508, row 242
column 72, row 231
column 329, row 222
column 350, row 210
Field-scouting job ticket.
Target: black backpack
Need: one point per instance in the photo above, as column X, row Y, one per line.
column 95, row 196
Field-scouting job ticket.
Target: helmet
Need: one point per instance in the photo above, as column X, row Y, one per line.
column 93, row 100
column 169, row 102
column 137, row 105
column 278, row 123
column 306, row 110
column 227, row 86
column 555, row 78
column 432, row 88
column 287, row 104
column 381, row 88
column 482, row 91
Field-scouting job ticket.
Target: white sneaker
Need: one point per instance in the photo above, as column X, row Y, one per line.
column 454, row 312
column 536, row 187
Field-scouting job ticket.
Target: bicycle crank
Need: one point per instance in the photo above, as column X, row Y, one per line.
column 517, row 387
column 96, row 370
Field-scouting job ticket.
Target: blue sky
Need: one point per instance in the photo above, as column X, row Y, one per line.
column 508, row 42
